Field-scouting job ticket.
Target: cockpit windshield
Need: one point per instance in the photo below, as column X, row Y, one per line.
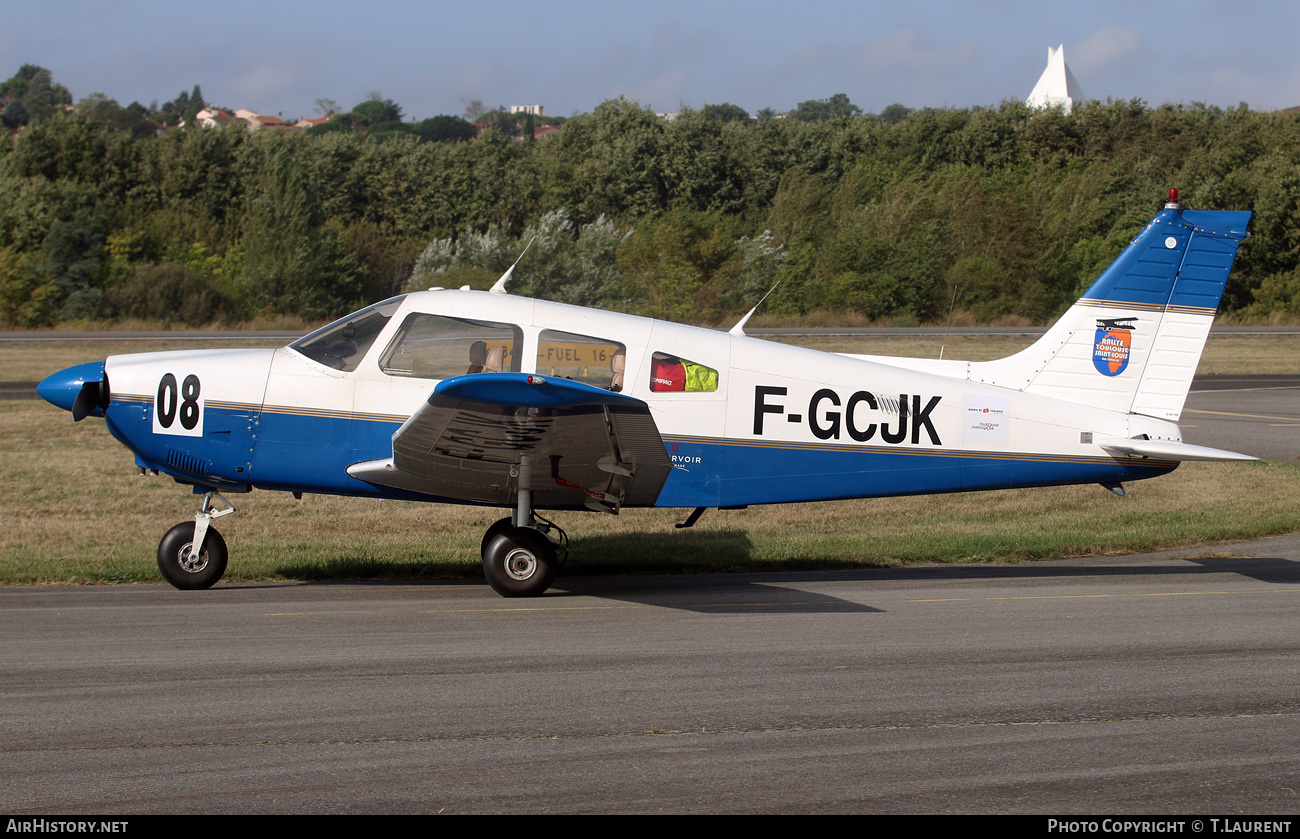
column 343, row 343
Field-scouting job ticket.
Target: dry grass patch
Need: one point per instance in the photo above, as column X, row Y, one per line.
column 31, row 361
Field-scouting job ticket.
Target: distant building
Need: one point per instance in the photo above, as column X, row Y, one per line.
column 535, row 110
column 213, row 118
column 1057, row 86
column 257, row 122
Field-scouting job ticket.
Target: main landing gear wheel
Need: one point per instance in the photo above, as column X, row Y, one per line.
column 497, row 527
column 519, row 562
column 174, row 557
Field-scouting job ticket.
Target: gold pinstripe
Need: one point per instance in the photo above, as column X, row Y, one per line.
column 285, row 410
column 1148, row 307
column 962, row 453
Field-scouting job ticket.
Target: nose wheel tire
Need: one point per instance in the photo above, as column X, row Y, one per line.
column 174, row 557
column 519, row 562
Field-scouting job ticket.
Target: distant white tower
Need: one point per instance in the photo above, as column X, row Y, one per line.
column 1057, row 85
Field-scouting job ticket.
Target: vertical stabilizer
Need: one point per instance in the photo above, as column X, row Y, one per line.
column 1132, row 342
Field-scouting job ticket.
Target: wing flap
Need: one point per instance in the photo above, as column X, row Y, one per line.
column 577, row 445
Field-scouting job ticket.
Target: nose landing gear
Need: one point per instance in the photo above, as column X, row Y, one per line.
column 193, row 555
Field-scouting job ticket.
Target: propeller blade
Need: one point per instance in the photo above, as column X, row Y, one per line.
column 89, row 398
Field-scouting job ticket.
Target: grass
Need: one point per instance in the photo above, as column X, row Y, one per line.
column 75, row 512
column 24, row 361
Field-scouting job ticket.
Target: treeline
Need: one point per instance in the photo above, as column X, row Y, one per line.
column 999, row 212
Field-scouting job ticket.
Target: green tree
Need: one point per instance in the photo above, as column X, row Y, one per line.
column 170, row 293
column 608, row 162
column 24, row 293
column 726, row 112
column 442, row 129
column 184, row 108
column 15, row 115
column 818, row 110
column 72, row 257
column 894, row 114
column 35, row 88
column 294, row 260
column 679, row 266
column 374, row 112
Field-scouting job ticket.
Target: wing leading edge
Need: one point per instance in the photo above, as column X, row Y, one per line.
column 575, row 445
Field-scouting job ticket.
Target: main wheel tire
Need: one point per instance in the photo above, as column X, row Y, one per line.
column 519, row 562
column 492, row 532
column 174, row 562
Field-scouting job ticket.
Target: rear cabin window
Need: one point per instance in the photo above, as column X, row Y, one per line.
column 594, row 361
column 671, row 373
column 439, row 347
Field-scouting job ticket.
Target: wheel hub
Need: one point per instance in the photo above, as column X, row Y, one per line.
column 195, row 565
column 521, row 564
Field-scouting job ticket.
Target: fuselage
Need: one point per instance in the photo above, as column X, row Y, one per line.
column 743, row 420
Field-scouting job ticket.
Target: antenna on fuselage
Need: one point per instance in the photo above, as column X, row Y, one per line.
column 739, row 328
column 499, row 287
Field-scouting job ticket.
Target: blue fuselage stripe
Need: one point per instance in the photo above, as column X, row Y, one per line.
column 714, row 474
column 312, row 453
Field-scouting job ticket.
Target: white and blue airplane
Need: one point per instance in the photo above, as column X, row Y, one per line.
column 488, row 398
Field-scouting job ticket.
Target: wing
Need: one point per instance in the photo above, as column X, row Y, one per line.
column 478, row 437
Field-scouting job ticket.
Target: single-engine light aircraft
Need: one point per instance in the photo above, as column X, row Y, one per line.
column 483, row 397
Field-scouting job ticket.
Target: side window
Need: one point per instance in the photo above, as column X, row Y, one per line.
column 593, row 361
column 438, row 347
column 670, row 373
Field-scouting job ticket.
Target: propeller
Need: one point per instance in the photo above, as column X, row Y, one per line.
column 92, row 395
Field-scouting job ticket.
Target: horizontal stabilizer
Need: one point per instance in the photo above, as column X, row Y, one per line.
column 1168, row 450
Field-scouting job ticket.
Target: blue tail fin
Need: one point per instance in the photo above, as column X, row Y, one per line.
column 1132, row 342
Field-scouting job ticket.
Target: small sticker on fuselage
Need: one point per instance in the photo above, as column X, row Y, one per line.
column 985, row 419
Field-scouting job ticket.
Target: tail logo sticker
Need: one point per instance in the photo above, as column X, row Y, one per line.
column 1114, row 341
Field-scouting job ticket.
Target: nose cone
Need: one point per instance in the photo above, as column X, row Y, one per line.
column 64, row 387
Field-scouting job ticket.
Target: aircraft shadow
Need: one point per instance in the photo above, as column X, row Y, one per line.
column 713, row 572
column 762, row 592
column 626, row 566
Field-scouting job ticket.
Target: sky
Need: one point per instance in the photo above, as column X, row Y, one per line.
column 277, row 57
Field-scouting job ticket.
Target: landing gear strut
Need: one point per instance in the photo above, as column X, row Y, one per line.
column 192, row 555
column 519, row 557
